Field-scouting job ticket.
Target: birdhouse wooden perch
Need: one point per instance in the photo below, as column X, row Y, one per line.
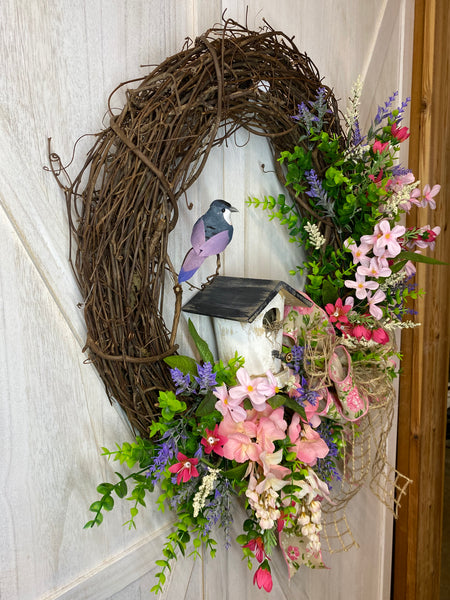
column 248, row 318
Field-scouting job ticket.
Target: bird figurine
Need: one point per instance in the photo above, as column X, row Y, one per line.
column 211, row 234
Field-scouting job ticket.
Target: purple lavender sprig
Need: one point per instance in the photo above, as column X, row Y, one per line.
column 167, row 452
column 326, row 467
column 317, row 192
column 306, row 395
column 357, row 138
column 182, row 382
column 297, row 358
column 206, row 378
column 386, row 111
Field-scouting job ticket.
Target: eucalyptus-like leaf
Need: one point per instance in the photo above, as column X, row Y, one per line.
column 207, row 405
column 202, row 346
column 186, row 364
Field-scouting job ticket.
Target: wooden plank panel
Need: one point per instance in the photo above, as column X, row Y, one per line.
column 54, row 418
column 422, row 410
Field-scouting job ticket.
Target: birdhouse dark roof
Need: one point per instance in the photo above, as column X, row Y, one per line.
column 240, row 298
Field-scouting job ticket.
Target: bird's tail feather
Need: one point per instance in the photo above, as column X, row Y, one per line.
column 191, row 263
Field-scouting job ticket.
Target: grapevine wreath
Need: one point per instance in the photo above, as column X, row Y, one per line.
column 299, row 445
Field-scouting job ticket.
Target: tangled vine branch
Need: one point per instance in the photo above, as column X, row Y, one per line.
column 122, row 205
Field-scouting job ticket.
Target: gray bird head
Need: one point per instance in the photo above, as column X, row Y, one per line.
column 222, row 208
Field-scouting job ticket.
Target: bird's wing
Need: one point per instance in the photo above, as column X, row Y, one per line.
column 190, row 264
column 216, row 244
column 198, row 235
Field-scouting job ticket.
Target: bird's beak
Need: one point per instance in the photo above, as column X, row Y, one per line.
column 232, row 209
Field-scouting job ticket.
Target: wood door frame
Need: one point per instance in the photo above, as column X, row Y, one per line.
column 423, row 385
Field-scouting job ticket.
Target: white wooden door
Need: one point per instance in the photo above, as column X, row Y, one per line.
column 60, row 60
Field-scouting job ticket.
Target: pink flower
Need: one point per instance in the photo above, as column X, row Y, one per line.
column 248, row 389
column 387, row 238
column 229, row 406
column 410, row 269
column 427, row 237
column 397, row 184
column 361, row 286
column 263, row 578
column 428, row 195
column 337, row 313
column 185, row 468
column 271, row 428
column 228, row 426
column 376, row 268
column 271, row 465
column 293, row 553
column 379, row 146
column 374, row 310
column 256, row 545
column 310, row 446
column 400, row 133
column 359, row 252
column 380, row 336
column 213, row 441
column 239, row 447
column 378, row 178
column 268, row 387
column 359, row 331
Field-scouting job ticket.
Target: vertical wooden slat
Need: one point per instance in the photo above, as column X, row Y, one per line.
column 422, row 405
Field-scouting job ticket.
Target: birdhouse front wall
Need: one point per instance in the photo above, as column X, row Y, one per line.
column 256, row 341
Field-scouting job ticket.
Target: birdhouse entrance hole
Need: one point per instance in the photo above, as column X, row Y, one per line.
column 271, row 320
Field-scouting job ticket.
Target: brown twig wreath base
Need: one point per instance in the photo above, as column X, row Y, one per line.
column 122, row 205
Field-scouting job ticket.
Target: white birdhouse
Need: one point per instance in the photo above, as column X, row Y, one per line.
column 248, row 318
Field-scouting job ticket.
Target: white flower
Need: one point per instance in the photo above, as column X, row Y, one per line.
column 206, row 487
column 315, row 237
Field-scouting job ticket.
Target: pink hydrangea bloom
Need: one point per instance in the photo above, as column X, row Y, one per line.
column 241, row 448
column 310, row 446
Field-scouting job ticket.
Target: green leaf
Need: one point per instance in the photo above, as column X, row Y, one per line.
column 89, row 525
column 121, row 487
column 414, row 257
column 108, row 502
column 202, row 346
column 207, row 405
column 162, row 563
column 237, row 472
column 291, row 403
column 105, row 488
column 96, row 506
column 276, row 401
column 329, row 293
column 186, row 364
